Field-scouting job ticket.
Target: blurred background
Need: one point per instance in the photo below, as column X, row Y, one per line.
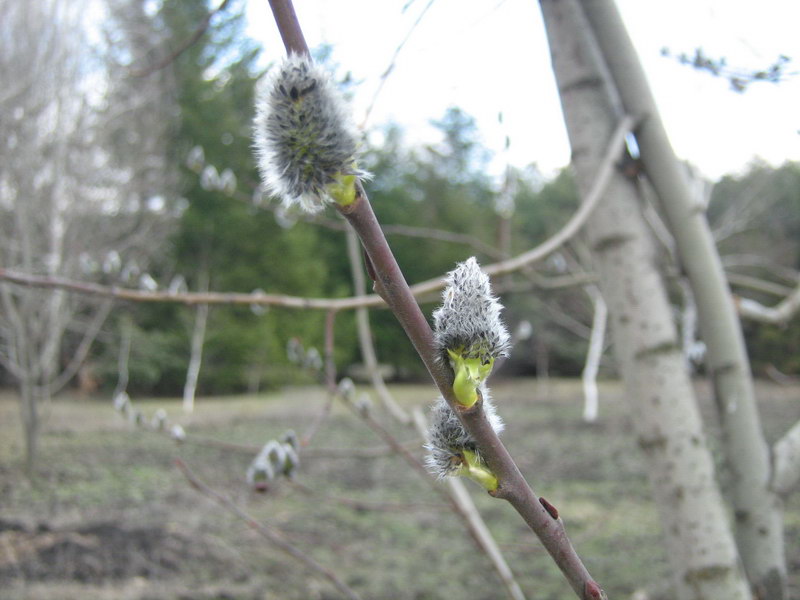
column 126, row 162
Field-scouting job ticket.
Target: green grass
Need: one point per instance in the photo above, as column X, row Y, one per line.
column 96, row 468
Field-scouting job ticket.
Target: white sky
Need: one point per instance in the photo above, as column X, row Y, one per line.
column 492, row 56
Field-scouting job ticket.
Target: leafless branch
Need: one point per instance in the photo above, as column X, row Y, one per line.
column 503, row 267
column 330, row 380
column 780, row 314
column 183, row 47
column 429, row 233
column 459, row 496
column 365, row 334
column 358, row 504
column 82, row 351
column 757, row 284
column 393, row 62
column 272, row 536
column 475, row 523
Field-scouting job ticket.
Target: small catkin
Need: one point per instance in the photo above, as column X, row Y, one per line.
column 468, row 321
column 303, row 134
column 447, row 437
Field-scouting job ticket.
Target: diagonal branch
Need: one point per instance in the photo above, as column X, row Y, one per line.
column 265, row 531
column 330, row 380
column 188, row 43
column 779, row 314
column 512, row 487
column 460, row 498
column 474, row 522
column 79, row 356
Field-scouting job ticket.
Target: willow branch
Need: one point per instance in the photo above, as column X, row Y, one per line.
column 512, row 485
column 267, row 533
column 475, row 524
column 459, row 496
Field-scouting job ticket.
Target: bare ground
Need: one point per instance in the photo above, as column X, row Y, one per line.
column 108, row 516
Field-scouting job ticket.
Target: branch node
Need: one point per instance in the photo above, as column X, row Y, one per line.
column 551, row 510
column 592, row 591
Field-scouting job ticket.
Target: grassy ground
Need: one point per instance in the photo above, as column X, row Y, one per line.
column 109, row 516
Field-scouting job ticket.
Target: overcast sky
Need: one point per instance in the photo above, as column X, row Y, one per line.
column 491, row 56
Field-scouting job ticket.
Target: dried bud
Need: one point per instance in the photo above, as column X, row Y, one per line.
column 313, row 360
column 274, row 459
column 451, row 449
column 260, row 471
column 122, row 401
column 159, row 420
column 347, row 389
column 295, row 351
column 363, row 404
column 304, row 138
column 290, row 438
column 177, row 433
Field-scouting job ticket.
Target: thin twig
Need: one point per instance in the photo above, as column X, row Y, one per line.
column 361, row 505
column 512, row 485
column 428, row 233
column 426, row 287
column 393, row 62
column 188, row 43
column 460, row 498
column 503, row 267
column 365, row 334
column 475, row 523
column 265, row 532
column 330, row 381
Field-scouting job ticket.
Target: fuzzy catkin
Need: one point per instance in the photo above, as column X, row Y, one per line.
column 468, row 321
column 303, row 134
column 447, row 436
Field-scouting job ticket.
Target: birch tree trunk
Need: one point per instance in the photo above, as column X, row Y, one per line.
column 758, row 510
column 700, row 545
column 196, row 354
column 591, row 394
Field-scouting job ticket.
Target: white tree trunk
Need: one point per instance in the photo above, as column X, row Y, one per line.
column 757, row 509
column 196, row 355
column 700, row 546
column 591, row 399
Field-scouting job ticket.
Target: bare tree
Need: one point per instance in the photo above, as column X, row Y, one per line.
column 701, row 548
column 69, row 205
column 757, row 507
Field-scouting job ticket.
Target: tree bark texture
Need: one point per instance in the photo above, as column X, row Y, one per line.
column 757, row 509
column 700, row 545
